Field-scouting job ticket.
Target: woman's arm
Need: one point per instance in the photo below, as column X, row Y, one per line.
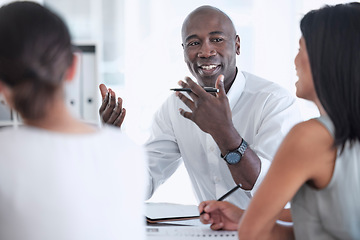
column 300, row 159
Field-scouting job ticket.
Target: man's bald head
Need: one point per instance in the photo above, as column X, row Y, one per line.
column 202, row 11
column 210, row 46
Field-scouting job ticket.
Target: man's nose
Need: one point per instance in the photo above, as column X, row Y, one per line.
column 206, row 50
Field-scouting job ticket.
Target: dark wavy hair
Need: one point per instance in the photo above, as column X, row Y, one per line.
column 332, row 36
column 35, row 52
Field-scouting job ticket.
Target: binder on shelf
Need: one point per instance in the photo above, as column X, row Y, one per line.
column 72, row 90
column 89, row 77
column 82, row 93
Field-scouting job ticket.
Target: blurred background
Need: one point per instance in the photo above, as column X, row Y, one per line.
column 134, row 47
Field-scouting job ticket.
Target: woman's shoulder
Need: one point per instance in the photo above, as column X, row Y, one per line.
column 309, row 139
column 311, row 130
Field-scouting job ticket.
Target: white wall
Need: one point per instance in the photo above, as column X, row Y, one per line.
column 2, row 2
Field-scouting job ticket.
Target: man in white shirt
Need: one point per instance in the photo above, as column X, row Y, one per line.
column 245, row 121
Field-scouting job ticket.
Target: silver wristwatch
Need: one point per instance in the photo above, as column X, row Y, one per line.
column 235, row 156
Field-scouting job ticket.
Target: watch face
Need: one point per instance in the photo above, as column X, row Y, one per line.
column 233, row 157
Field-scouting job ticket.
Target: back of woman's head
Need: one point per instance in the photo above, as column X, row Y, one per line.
column 35, row 52
column 332, row 36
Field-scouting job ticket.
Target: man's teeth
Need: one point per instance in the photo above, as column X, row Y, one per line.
column 209, row 67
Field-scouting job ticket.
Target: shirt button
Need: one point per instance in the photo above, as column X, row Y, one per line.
column 212, row 149
column 216, row 179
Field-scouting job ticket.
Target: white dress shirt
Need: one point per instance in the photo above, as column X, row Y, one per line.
column 262, row 113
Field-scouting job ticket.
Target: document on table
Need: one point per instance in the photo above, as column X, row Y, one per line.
column 176, row 222
column 166, row 212
column 188, row 233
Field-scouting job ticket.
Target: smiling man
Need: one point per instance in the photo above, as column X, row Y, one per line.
column 210, row 46
column 224, row 139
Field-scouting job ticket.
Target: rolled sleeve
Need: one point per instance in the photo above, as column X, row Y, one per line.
column 265, row 165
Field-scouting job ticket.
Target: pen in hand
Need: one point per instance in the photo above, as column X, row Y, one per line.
column 226, row 195
column 207, row 89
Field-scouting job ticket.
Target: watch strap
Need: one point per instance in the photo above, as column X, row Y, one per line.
column 241, row 149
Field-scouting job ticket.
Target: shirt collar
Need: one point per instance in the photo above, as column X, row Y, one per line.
column 236, row 89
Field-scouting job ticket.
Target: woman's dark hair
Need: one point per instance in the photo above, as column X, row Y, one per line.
column 35, row 52
column 332, row 36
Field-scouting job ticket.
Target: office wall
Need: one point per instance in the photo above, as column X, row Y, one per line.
column 2, row 2
column 140, row 53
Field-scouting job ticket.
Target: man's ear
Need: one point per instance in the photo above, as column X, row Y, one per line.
column 183, row 47
column 237, row 44
column 71, row 71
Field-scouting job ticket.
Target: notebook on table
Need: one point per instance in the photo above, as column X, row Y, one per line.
column 169, row 212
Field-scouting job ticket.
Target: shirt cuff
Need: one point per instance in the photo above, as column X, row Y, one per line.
column 265, row 165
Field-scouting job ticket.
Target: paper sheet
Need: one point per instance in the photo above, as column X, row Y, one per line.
column 170, row 211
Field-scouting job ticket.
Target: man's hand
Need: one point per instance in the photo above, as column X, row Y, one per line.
column 211, row 112
column 220, row 214
column 111, row 112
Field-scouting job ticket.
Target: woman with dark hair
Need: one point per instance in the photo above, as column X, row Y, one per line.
column 317, row 166
column 56, row 180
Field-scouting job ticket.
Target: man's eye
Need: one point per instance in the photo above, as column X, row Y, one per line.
column 193, row 44
column 217, row 40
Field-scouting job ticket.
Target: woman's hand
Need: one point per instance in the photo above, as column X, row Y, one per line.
column 220, row 214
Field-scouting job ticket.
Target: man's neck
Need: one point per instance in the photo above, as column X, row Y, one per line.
column 228, row 83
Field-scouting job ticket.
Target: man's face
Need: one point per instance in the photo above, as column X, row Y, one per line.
column 210, row 47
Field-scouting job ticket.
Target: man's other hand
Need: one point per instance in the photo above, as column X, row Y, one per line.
column 111, row 112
